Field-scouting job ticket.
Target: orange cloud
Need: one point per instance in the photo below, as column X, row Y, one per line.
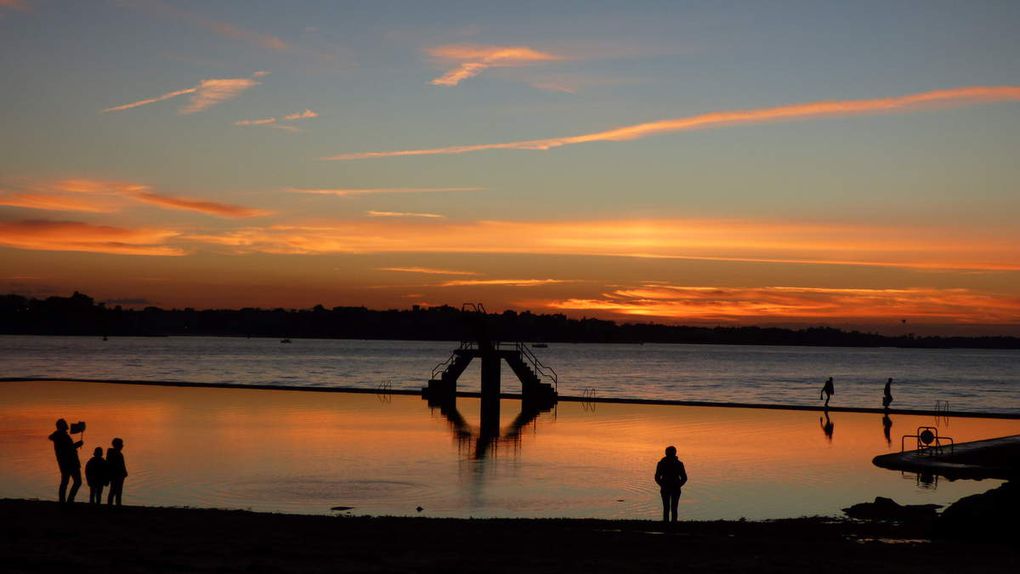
column 305, row 115
column 206, row 94
column 427, row 271
column 953, row 97
column 352, row 191
column 740, row 304
column 199, row 205
column 273, row 122
column 501, row 282
column 712, row 240
column 78, row 236
column 14, row 4
column 374, row 213
column 224, row 29
column 54, row 203
column 143, row 194
column 473, row 59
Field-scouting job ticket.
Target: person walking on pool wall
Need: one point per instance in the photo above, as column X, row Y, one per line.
column 670, row 475
column 67, row 461
column 887, row 395
column 827, row 391
column 96, row 476
column 117, row 471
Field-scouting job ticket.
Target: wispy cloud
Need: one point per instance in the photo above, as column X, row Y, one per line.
column 14, row 4
column 206, row 94
column 224, row 29
column 274, row 122
column 740, row 304
column 144, row 194
column 199, row 205
column 426, row 271
column 473, row 59
column 47, row 202
column 501, row 282
column 374, row 213
column 354, row 191
column 793, row 243
column 954, row 97
column 77, row 236
column 305, row 115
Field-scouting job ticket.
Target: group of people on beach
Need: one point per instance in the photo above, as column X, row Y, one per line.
column 829, row 389
column 99, row 472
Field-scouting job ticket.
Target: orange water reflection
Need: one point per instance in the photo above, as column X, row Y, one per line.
column 306, row 452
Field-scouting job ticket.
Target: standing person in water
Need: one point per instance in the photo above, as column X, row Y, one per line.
column 67, row 461
column 117, row 471
column 887, row 396
column 95, row 476
column 827, row 391
column 670, row 475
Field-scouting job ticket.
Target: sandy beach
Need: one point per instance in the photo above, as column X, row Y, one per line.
column 42, row 537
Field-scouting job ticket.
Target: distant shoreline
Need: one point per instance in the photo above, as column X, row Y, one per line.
column 80, row 314
column 512, row 396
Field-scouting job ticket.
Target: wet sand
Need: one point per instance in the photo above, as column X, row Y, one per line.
column 42, row 537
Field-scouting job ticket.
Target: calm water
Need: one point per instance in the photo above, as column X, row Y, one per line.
column 307, row 452
column 975, row 380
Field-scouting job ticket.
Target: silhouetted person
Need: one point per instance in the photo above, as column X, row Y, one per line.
column 117, row 471
column 96, row 476
column 67, row 460
column 670, row 475
column 827, row 391
column 828, row 426
column 887, row 396
column 887, row 428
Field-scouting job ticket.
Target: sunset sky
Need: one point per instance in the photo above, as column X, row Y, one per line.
column 795, row 163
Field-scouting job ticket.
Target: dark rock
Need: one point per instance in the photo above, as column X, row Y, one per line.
column 989, row 516
column 888, row 509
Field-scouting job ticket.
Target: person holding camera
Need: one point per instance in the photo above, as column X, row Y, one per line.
column 116, row 471
column 66, row 450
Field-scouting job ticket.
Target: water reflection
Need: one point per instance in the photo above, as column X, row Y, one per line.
column 479, row 443
column 887, row 429
column 307, row 452
column 827, row 426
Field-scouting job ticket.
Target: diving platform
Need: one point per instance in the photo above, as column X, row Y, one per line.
column 539, row 383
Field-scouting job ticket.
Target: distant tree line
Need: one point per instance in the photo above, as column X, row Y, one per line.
column 79, row 314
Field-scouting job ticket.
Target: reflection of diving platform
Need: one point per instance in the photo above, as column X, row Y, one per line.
column 538, row 382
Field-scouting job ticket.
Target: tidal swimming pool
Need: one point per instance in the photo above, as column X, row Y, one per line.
column 307, row 452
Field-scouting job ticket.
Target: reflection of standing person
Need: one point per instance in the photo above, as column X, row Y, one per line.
column 827, row 391
column 887, row 429
column 67, row 460
column 95, row 476
column 887, row 396
column 828, row 426
column 670, row 475
column 117, row 471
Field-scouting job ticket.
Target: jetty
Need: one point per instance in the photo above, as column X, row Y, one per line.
column 997, row 458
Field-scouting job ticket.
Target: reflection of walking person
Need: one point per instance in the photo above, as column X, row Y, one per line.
column 117, row 471
column 827, row 391
column 827, row 426
column 670, row 475
column 67, row 460
column 887, row 429
column 887, row 396
column 95, row 476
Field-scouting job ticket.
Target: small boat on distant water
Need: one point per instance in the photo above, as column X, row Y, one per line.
column 539, row 346
column 285, row 340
